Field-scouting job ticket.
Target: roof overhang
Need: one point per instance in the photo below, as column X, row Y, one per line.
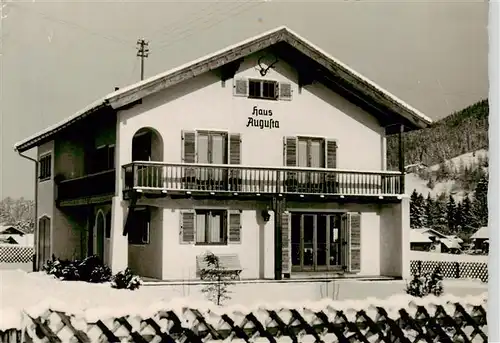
column 330, row 68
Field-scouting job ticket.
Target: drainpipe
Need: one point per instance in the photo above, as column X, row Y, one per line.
column 35, row 264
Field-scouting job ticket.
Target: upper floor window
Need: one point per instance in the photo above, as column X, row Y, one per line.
column 104, row 158
column 45, row 167
column 211, row 147
column 310, row 152
column 263, row 89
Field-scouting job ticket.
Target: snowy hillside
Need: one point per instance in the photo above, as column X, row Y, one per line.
column 414, row 181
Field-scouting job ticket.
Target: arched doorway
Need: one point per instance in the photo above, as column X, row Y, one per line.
column 99, row 231
column 147, row 145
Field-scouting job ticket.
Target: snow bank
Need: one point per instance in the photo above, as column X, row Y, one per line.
column 35, row 293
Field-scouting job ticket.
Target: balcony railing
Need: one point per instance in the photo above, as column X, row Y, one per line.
column 87, row 186
column 184, row 177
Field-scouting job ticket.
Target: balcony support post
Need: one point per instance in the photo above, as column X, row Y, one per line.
column 278, row 208
column 401, row 159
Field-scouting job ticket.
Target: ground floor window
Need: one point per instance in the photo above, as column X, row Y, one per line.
column 139, row 229
column 211, row 227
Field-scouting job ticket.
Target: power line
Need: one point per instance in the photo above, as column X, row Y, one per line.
column 191, row 31
column 142, row 52
column 72, row 24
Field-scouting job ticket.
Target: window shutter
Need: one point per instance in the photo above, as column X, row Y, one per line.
column 234, row 148
column 240, row 87
column 234, row 227
column 354, row 237
column 187, row 226
column 286, row 256
column 331, row 154
column 290, row 151
column 234, row 158
column 189, row 146
column 285, row 91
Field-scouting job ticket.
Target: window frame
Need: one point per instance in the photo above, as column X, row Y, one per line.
column 309, row 139
column 145, row 237
column 211, row 133
column 44, row 170
column 224, row 234
column 261, row 83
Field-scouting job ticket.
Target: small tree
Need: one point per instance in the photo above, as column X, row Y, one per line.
column 217, row 290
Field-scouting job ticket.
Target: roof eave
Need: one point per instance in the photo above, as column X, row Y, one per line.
column 35, row 140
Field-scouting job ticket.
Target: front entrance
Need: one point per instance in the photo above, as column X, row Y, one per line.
column 317, row 242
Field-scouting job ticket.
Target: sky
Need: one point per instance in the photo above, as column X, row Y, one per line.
column 59, row 56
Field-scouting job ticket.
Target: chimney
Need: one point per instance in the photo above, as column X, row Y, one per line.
column 117, row 88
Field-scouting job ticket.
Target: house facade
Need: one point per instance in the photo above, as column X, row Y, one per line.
column 270, row 154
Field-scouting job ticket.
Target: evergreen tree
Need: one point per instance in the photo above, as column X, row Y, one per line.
column 417, row 212
column 451, row 211
column 468, row 220
column 429, row 211
column 440, row 221
column 459, row 222
column 480, row 204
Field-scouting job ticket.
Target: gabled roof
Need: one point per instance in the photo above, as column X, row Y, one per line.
column 339, row 72
column 11, row 230
column 417, row 236
column 481, row 233
column 430, row 231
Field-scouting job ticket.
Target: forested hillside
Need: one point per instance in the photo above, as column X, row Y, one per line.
column 461, row 132
column 463, row 207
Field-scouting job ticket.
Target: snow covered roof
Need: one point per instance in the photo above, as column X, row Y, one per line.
column 417, row 236
column 360, row 85
column 11, row 229
column 450, row 243
column 482, row 233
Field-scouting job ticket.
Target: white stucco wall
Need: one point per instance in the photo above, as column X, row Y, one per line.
column 202, row 103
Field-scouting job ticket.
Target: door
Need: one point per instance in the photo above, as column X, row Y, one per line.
column 99, row 235
column 43, row 241
column 316, row 244
column 310, row 154
column 212, row 149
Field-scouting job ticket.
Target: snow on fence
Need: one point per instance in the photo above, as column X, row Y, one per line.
column 401, row 319
column 452, row 269
column 11, row 253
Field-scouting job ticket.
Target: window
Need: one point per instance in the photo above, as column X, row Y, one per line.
column 263, row 89
column 104, row 158
column 311, row 152
column 212, row 147
column 139, row 226
column 45, row 167
column 211, row 227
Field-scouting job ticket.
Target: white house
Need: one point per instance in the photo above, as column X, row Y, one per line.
column 269, row 153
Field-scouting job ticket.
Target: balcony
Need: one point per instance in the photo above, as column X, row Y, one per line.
column 86, row 189
column 210, row 179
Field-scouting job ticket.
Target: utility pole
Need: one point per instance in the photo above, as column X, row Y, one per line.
column 142, row 52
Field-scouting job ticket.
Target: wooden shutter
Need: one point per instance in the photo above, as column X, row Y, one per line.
column 331, row 154
column 189, row 146
column 354, row 220
column 285, row 91
column 290, row 151
column 286, row 256
column 234, row 148
column 234, row 234
column 240, row 87
column 187, row 226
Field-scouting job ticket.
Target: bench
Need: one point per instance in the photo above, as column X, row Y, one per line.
column 229, row 264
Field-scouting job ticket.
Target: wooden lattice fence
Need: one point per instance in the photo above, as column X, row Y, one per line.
column 452, row 269
column 11, row 253
column 409, row 320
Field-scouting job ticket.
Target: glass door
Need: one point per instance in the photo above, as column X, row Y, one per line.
column 316, row 241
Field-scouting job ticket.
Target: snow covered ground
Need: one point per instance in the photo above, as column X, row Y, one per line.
column 34, row 291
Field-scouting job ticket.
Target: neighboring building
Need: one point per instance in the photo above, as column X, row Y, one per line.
column 480, row 238
column 269, row 153
column 439, row 242
column 10, row 234
column 420, row 241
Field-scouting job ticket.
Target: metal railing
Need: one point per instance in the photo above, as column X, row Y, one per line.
column 186, row 177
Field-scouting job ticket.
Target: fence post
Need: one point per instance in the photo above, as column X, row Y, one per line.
column 457, row 270
column 419, row 267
